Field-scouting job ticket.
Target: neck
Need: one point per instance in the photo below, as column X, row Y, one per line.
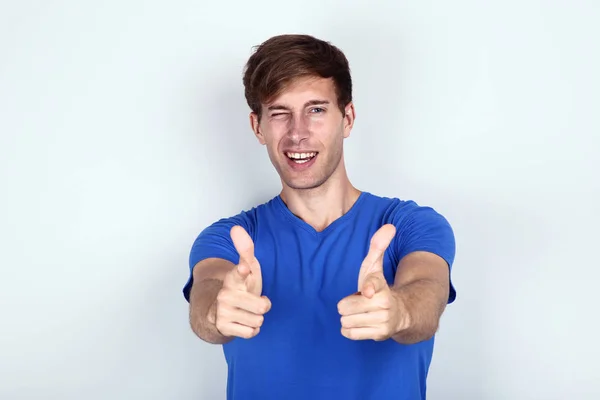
column 322, row 205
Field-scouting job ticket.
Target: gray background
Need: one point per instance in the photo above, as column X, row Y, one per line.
column 124, row 132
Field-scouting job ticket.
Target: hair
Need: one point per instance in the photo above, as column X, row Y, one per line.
column 280, row 60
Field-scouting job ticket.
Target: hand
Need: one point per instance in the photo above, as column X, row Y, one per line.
column 375, row 311
column 239, row 307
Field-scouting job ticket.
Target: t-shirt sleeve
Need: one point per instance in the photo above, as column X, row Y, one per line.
column 424, row 229
column 215, row 242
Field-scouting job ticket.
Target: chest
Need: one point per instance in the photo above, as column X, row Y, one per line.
column 300, row 265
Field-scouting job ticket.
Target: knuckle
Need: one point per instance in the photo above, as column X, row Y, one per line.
column 248, row 333
column 223, row 295
column 344, row 322
column 221, row 327
column 344, row 308
column 219, row 311
column 385, row 302
column 267, row 306
column 385, row 317
column 223, row 313
column 244, row 335
column 384, row 334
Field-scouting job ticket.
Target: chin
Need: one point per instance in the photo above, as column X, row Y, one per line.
column 306, row 184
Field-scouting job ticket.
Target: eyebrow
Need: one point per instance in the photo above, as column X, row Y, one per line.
column 307, row 104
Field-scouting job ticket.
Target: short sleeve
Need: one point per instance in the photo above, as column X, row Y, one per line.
column 424, row 229
column 215, row 242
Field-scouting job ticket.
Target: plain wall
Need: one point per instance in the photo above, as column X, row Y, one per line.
column 124, row 132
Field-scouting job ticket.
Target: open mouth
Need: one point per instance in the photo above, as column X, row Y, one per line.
column 301, row 158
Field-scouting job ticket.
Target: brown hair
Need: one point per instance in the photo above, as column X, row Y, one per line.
column 284, row 58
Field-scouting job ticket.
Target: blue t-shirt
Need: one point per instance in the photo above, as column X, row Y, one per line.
column 300, row 352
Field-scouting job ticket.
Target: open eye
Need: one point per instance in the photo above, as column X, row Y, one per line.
column 317, row 110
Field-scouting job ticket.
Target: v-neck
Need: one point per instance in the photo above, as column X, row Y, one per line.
column 283, row 208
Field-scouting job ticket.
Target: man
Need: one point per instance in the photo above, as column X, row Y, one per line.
column 325, row 291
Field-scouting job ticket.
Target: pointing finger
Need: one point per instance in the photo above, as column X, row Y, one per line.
column 245, row 301
column 373, row 283
column 237, row 276
column 357, row 304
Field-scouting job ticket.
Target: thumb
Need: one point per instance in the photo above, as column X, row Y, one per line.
column 248, row 263
column 372, row 266
column 372, row 284
column 237, row 276
column 243, row 245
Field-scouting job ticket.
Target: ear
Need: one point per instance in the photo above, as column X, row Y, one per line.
column 255, row 125
column 349, row 117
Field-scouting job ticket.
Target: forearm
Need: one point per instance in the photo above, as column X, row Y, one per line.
column 420, row 305
column 202, row 311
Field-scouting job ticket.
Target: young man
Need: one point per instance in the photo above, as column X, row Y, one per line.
column 325, row 291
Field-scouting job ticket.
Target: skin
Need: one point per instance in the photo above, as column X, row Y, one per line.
column 306, row 117
column 225, row 300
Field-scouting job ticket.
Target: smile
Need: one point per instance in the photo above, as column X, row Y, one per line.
column 301, row 158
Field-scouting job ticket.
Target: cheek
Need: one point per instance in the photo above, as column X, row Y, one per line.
column 271, row 140
column 329, row 133
column 276, row 126
column 275, row 131
column 317, row 124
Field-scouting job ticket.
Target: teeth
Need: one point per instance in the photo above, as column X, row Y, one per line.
column 301, row 156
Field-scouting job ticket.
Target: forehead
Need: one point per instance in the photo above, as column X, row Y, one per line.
column 306, row 89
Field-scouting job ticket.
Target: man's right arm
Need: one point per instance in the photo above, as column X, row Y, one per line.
column 208, row 278
column 225, row 299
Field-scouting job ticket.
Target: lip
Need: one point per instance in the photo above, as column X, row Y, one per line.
column 285, row 151
column 300, row 167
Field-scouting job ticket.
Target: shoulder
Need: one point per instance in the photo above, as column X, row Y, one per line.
column 214, row 240
column 419, row 227
column 398, row 211
column 248, row 219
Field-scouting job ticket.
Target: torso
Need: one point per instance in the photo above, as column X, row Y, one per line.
column 300, row 351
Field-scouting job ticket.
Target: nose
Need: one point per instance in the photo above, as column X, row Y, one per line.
column 298, row 129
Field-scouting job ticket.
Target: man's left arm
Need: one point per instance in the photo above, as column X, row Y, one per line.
column 421, row 290
column 408, row 309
